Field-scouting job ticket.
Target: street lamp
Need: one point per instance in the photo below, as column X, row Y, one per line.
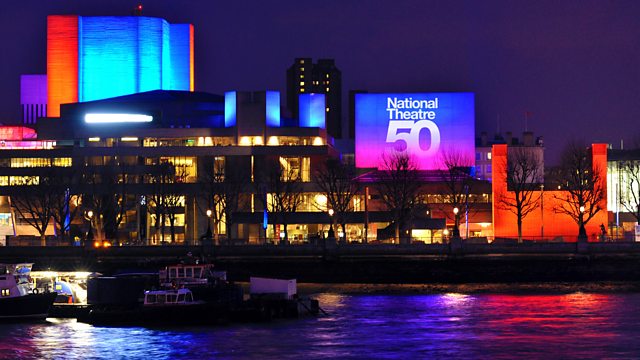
column 208, row 233
column 456, row 229
column 582, row 232
column 331, row 234
column 89, row 217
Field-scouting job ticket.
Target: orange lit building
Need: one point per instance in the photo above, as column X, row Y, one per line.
column 545, row 223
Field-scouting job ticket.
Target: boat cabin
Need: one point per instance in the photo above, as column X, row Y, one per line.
column 189, row 275
column 168, row 297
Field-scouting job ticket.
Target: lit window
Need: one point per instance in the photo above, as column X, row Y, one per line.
column 489, row 156
column 301, row 61
column 327, row 89
column 94, row 139
column 327, row 109
column 301, row 83
column 301, row 69
column 327, row 76
column 301, row 90
column 5, row 292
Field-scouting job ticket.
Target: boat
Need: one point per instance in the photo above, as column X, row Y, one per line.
column 19, row 299
column 167, row 307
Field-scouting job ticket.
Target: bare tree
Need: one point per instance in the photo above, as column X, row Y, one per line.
column 281, row 189
column 457, row 185
column 336, row 180
column 221, row 187
column 106, row 194
column 523, row 171
column 398, row 185
column 631, row 202
column 166, row 199
column 583, row 185
column 65, row 200
column 33, row 201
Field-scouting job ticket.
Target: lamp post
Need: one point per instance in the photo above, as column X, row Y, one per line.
column 582, row 232
column 331, row 234
column 89, row 217
column 208, row 234
column 541, row 211
column 456, row 229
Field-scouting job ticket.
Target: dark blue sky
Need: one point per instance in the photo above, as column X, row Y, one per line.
column 573, row 64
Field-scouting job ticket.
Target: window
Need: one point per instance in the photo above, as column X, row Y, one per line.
column 489, row 156
column 180, row 272
column 151, row 298
column 295, row 168
column 181, row 298
column 301, row 83
column 5, row 292
column 327, row 109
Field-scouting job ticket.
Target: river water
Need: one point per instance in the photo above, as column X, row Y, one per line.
column 368, row 326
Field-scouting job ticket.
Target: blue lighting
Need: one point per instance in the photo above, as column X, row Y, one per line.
column 180, row 51
column 273, row 109
column 230, row 108
column 312, row 110
column 125, row 55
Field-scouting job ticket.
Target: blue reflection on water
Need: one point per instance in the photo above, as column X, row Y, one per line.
column 456, row 326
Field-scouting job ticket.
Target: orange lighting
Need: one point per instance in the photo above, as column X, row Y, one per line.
column 555, row 224
column 192, row 84
column 96, row 244
column 62, row 62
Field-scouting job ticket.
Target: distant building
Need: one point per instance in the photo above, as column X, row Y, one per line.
column 484, row 170
column 323, row 77
column 33, row 97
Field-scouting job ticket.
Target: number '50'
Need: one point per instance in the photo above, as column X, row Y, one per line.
column 412, row 138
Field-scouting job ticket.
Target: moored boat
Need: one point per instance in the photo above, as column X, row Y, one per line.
column 19, row 299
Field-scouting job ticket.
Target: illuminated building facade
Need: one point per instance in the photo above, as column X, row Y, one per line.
column 92, row 58
column 545, row 223
column 322, row 77
column 623, row 187
column 200, row 135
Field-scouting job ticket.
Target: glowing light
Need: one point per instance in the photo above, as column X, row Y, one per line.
column 230, row 108
column 116, row 118
column 129, row 138
column 257, row 140
column 245, row 141
column 317, row 141
column 94, row 139
column 273, row 141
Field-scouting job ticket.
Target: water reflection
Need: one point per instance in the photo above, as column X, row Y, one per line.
column 368, row 326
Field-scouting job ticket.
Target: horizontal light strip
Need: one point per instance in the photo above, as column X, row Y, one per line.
column 94, row 139
column 116, row 118
column 129, row 138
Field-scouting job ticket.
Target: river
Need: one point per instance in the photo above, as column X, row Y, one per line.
column 368, row 326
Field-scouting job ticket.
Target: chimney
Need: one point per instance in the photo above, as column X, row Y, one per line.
column 527, row 138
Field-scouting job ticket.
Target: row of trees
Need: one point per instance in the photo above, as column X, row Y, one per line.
column 583, row 187
column 110, row 191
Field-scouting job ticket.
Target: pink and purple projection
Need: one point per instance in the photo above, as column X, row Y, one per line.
column 426, row 125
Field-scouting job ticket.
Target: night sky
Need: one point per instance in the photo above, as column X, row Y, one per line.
column 574, row 65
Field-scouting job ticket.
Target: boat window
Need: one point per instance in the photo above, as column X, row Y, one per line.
column 181, row 272
column 189, row 272
column 161, row 299
column 172, row 272
column 5, row 292
column 181, row 298
column 189, row 297
column 197, row 272
column 171, row 298
column 151, row 298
